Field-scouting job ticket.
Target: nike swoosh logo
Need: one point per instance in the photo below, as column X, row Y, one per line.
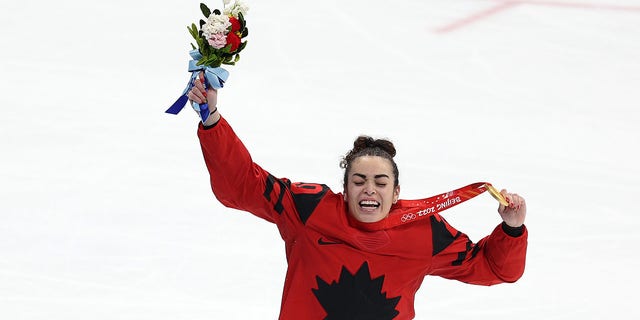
column 322, row 242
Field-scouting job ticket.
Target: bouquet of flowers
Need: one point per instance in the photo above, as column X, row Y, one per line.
column 219, row 41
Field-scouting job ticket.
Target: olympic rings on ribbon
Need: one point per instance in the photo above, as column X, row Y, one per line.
column 408, row 217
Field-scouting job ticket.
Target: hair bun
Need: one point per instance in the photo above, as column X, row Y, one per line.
column 367, row 146
column 364, row 142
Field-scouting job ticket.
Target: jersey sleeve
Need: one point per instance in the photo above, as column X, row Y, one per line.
column 239, row 183
column 497, row 258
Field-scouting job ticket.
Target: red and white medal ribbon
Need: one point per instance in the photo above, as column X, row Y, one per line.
column 407, row 211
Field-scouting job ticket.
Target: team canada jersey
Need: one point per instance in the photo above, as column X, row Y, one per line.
column 336, row 268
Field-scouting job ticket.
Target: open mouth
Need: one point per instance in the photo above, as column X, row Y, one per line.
column 369, row 204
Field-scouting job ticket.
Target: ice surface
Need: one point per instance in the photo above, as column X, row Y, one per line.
column 105, row 207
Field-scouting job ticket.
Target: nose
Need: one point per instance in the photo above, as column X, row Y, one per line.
column 369, row 189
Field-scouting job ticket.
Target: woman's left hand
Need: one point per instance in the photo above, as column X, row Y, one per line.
column 513, row 214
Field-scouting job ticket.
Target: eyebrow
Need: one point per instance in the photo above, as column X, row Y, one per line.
column 375, row 177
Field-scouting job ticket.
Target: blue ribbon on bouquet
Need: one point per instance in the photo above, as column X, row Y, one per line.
column 213, row 77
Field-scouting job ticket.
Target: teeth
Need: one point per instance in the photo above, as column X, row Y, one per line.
column 369, row 203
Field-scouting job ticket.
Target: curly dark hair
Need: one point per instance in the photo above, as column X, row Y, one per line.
column 367, row 146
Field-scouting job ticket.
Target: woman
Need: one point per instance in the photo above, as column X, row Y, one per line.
column 344, row 262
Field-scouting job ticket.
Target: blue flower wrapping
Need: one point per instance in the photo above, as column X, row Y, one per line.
column 214, row 78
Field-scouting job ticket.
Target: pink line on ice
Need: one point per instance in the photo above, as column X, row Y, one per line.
column 595, row 6
column 504, row 5
column 477, row 16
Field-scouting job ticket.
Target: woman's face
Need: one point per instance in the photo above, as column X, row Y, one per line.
column 369, row 191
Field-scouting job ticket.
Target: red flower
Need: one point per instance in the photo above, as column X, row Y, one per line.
column 233, row 40
column 235, row 24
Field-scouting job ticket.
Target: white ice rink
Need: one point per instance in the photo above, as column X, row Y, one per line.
column 105, row 207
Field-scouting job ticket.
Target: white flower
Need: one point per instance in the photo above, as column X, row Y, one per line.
column 216, row 23
column 236, row 8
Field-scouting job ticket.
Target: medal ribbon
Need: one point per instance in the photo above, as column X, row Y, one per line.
column 407, row 211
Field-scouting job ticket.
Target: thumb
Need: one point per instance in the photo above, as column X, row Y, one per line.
column 507, row 197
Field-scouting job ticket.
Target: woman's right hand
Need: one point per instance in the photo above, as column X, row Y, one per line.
column 199, row 95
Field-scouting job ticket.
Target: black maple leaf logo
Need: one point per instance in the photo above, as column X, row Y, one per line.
column 356, row 297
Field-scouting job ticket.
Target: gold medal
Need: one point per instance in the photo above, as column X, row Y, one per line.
column 496, row 194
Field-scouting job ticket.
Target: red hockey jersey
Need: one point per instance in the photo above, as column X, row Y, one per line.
column 336, row 268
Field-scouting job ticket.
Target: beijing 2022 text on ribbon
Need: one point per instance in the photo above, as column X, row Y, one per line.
column 415, row 210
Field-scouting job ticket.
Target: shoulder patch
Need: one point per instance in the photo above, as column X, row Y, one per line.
column 277, row 187
column 441, row 233
column 306, row 197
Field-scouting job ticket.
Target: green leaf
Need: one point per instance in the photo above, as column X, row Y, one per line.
column 193, row 31
column 205, row 10
column 216, row 11
column 202, row 23
column 245, row 33
column 193, row 47
column 205, row 48
column 212, row 61
column 236, row 58
column 201, row 40
column 241, row 46
column 243, row 24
